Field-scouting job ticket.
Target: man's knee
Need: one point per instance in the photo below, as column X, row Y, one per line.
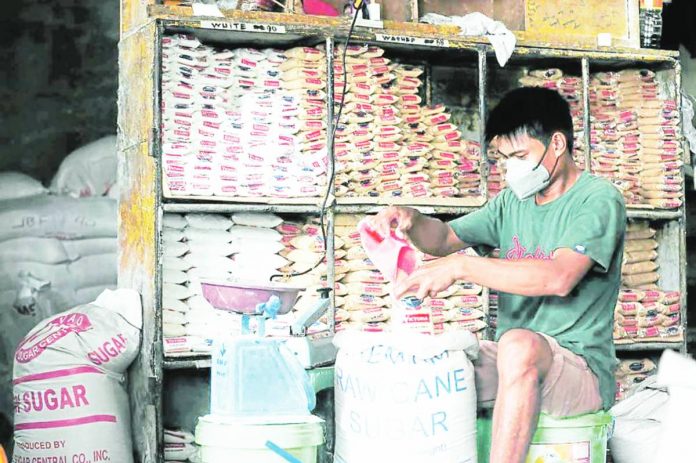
column 523, row 352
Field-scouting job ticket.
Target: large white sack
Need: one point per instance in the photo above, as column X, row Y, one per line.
column 60, row 217
column 17, row 185
column 100, row 269
column 90, row 247
column 638, row 424
column 85, row 295
column 678, row 373
column 405, row 397
column 89, row 170
column 53, row 250
column 70, row 382
column 40, row 250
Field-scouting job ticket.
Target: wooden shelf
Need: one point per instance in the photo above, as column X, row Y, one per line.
column 216, row 207
column 187, row 361
column 649, row 346
column 323, row 25
column 223, row 205
column 653, row 214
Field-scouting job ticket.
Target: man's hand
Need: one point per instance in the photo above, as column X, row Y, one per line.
column 401, row 218
column 432, row 278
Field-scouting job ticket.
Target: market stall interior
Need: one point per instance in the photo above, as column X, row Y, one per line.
column 253, row 142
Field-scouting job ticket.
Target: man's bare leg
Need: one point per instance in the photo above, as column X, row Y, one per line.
column 524, row 358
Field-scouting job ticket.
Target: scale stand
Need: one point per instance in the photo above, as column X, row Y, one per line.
column 316, row 349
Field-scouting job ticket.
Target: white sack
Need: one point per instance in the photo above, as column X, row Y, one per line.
column 58, row 217
column 90, row 170
column 406, row 398
column 70, row 382
column 17, row 185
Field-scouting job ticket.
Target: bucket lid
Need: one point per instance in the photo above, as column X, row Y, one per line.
column 254, row 432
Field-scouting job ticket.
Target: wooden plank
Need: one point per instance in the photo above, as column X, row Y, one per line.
column 581, row 21
column 137, row 270
column 136, row 92
column 316, row 201
column 134, row 14
column 428, row 201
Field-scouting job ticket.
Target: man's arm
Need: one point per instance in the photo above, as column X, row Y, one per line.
column 430, row 235
column 555, row 277
column 433, row 236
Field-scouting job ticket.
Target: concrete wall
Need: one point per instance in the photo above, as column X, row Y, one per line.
column 59, row 74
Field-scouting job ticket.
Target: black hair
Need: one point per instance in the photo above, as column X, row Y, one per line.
column 534, row 111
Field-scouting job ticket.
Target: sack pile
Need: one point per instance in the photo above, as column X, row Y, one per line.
column 55, row 252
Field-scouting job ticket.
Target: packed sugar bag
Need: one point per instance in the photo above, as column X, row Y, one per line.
column 70, row 381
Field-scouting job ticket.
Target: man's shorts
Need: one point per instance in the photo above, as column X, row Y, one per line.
column 570, row 387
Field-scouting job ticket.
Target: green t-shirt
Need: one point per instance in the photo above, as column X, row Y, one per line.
column 589, row 218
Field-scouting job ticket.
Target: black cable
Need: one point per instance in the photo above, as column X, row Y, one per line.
column 332, row 142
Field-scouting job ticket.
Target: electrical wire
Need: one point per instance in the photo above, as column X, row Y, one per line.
column 357, row 5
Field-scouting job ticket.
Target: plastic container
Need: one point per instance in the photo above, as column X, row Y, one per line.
column 245, row 440
column 579, row 439
column 253, row 376
column 243, row 298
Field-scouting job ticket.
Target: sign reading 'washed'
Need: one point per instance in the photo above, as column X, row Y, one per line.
column 408, row 40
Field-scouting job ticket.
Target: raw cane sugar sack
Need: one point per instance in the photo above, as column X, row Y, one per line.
column 70, row 383
column 405, row 397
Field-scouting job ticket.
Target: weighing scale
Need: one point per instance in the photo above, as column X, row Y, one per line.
column 252, row 301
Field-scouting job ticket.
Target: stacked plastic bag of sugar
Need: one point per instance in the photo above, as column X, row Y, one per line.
column 244, row 247
column 237, row 122
column 453, row 163
column 417, row 145
column 636, row 137
column 570, row 88
column 366, row 133
column 461, row 305
column 388, row 143
column 307, row 268
column 364, row 303
column 644, row 311
column 630, row 373
column 368, row 303
column 179, row 446
column 659, row 153
column 304, row 78
column 614, row 137
column 640, row 268
column 660, row 141
column 647, row 316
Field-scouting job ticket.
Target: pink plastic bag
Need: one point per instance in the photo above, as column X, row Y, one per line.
column 392, row 255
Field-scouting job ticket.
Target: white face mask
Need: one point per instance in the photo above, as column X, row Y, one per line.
column 526, row 178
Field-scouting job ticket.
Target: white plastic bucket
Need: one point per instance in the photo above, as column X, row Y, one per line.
column 244, row 440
